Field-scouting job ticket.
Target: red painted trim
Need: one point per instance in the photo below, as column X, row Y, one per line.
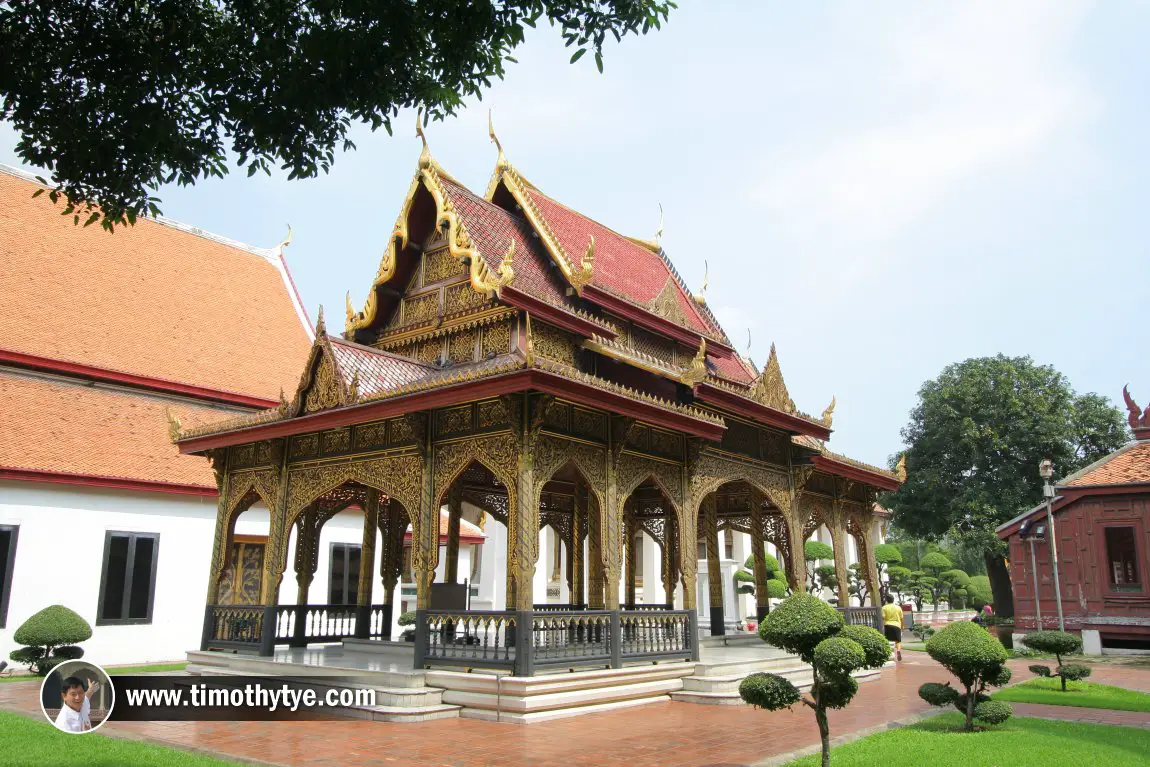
column 554, row 315
column 521, row 380
column 761, row 413
column 443, row 538
column 653, row 321
column 34, row 362
column 98, row 480
column 857, row 473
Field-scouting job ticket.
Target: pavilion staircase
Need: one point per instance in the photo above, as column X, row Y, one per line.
column 402, row 694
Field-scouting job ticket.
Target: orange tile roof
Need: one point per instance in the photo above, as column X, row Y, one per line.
column 57, row 425
column 1127, row 465
column 468, row 532
column 151, row 300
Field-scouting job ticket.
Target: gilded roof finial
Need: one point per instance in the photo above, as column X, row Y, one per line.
column 483, row 281
column 828, row 414
column 769, row 388
column 501, row 162
column 173, row 425
column 900, row 468
column 585, row 273
column 320, row 327
column 659, row 231
column 348, row 308
column 701, row 296
column 425, row 155
column 529, row 344
column 697, row 370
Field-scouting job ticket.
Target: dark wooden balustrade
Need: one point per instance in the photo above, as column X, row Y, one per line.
column 241, row 627
column 657, row 635
column 479, row 638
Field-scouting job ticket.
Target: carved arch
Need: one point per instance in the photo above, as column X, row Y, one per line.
column 552, row 454
column 396, row 476
column 712, row 472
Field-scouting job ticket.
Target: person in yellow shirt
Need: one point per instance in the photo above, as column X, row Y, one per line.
column 892, row 624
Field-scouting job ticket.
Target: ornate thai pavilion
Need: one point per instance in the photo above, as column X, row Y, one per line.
column 521, row 357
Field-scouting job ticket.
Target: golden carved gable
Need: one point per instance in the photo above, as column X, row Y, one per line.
column 325, row 389
column 769, row 388
column 667, row 305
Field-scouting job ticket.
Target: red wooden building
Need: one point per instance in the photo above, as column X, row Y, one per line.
column 1102, row 521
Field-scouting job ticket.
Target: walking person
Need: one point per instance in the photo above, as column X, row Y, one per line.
column 892, row 625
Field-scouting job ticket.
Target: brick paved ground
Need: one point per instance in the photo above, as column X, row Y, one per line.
column 1090, row 715
column 656, row 734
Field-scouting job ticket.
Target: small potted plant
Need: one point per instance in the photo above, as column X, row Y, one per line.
column 407, row 619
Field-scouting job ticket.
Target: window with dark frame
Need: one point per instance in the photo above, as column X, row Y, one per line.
column 1122, row 559
column 128, row 578
column 343, row 574
column 8, row 534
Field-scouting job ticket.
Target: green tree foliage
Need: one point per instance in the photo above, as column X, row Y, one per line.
column 899, row 579
column 856, row 583
column 1058, row 643
column 810, row 628
column 118, row 98
column 954, row 584
column 885, row 555
column 976, row 438
column 51, row 636
column 813, row 551
column 776, row 588
column 976, row 658
column 979, row 591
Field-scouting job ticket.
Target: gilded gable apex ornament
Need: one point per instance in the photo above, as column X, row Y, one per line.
column 769, row 388
column 900, row 468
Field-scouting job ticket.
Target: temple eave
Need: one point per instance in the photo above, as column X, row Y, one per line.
column 748, row 408
column 850, row 469
column 562, row 318
column 654, row 322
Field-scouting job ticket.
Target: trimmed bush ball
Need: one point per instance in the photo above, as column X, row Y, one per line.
column 799, row 624
column 999, row 678
column 53, row 626
column 960, row 701
column 813, row 550
column 68, row 652
column 744, row 576
column 1039, row 670
column 839, row 655
column 875, row 647
column 837, row 691
column 966, row 650
column 776, row 589
column 1054, row 642
column 1072, row 672
column 769, row 691
column 935, row 561
column 993, row 711
column 938, row 694
column 407, row 619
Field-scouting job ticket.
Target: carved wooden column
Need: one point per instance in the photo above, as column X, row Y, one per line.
column 870, row 535
column 575, row 546
column 455, row 512
column 526, row 511
column 595, row 556
column 221, row 542
column 714, row 571
column 759, row 549
column 275, row 555
column 797, row 563
column 629, row 556
column 670, row 557
column 367, row 552
column 425, row 542
column 839, row 543
column 306, row 560
column 392, row 528
column 611, row 517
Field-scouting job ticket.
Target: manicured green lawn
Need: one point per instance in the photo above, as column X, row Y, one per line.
column 916, row 646
column 113, row 671
column 28, row 743
column 1018, row 743
column 1085, row 694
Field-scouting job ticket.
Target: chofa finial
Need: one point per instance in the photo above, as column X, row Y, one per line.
column 284, row 242
column 701, row 296
column 502, row 161
column 828, row 414
column 425, row 155
column 696, row 371
column 900, row 468
column 1138, row 419
column 320, row 327
column 659, row 231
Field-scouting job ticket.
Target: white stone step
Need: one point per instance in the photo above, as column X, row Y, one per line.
column 797, row 673
column 400, row 714
column 562, row 713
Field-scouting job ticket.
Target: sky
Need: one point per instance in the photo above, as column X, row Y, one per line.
column 879, row 189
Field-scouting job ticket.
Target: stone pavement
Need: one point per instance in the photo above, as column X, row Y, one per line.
column 656, row 734
column 1088, row 715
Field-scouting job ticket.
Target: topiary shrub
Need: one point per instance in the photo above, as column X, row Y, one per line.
column 1058, row 643
column 938, row 694
column 922, row 631
column 776, row 589
column 1039, row 670
column 975, row 657
column 993, row 711
column 51, row 636
column 769, row 691
column 407, row 618
column 813, row 551
column 810, row 628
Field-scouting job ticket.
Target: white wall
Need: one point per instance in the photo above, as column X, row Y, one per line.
column 60, row 551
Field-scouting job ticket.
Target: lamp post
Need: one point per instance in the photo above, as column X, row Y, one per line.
column 1046, row 471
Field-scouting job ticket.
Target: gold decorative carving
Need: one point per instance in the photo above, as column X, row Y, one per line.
column 828, row 414
column 304, row 446
column 326, row 389
column 697, row 370
column 666, row 443
column 486, row 283
column 553, row 343
column 439, row 265
column 769, row 388
column 711, row 471
column 461, row 347
column 666, row 303
column 553, row 453
column 900, row 468
column 496, row 340
column 336, row 441
column 454, row 420
column 492, row 413
column 173, row 425
column 461, row 298
column 589, row 423
column 427, row 351
column 396, row 476
column 244, row 456
column 400, row 430
column 653, row 345
column 585, row 274
column 420, row 309
column 372, row 435
column 498, row 452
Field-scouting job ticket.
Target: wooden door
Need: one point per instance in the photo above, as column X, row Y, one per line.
column 242, row 580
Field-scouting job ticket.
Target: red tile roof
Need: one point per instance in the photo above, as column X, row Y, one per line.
column 468, row 533
column 376, row 370
column 493, row 229
column 1127, row 465
column 155, row 300
column 59, row 425
column 622, row 267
